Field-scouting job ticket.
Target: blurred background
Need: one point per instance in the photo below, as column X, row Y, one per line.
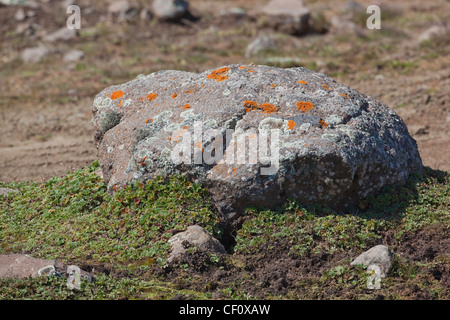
column 49, row 74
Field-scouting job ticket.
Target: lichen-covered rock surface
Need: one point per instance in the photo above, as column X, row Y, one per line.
column 335, row 145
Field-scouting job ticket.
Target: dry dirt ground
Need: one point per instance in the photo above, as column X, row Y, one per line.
column 45, row 107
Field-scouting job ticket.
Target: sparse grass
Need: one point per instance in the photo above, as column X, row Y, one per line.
column 73, row 218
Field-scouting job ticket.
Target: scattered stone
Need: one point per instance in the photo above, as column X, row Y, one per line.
column 20, row 15
column 379, row 255
column 288, row 16
column 12, row 2
column 169, row 10
column 123, row 10
column 194, row 236
column 436, row 31
column 21, row 266
column 73, row 55
column 260, row 44
column 233, row 12
column 6, row 191
column 145, row 15
column 336, row 146
column 36, row 54
column 63, row 34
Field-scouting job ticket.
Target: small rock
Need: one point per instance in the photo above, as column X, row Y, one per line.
column 261, row 43
column 233, row 12
column 63, row 34
column 5, row 191
column 145, row 15
column 289, row 16
column 433, row 32
column 170, row 9
column 73, row 55
column 379, row 255
column 21, row 266
column 20, row 15
column 123, row 10
column 36, row 54
column 196, row 236
column 12, row 2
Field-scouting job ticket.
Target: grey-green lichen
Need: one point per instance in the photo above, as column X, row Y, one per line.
column 109, row 120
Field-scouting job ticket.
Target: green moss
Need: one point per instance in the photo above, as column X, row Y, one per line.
column 73, row 218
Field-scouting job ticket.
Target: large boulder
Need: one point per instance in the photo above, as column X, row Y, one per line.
column 282, row 132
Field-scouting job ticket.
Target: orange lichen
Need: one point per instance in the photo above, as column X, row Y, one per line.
column 304, row 106
column 174, row 95
column 142, row 162
column 344, row 95
column 243, row 67
column 302, row 82
column 323, row 123
column 219, row 74
column 120, row 103
column 188, row 91
column 291, row 124
column 250, row 105
column 251, row 71
column 186, row 106
column 198, row 145
column 234, row 170
column 148, row 120
column 268, row 108
column 272, row 85
column 327, row 87
column 151, row 97
column 116, row 95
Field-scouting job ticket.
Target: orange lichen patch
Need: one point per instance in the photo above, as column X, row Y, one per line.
column 151, row 97
column 174, row 95
column 120, row 103
column 272, row 85
column 250, row 105
column 116, row 95
column 268, row 108
column 327, row 87
column 148, row 120
column 302, row 82
column 142, row 162
column 234, row 170
column 344, row 95
column 141, row 99
column 304, row 106
column 198, row 145
column 219, row 74
column 188, row 91
column 251, row 71
column 243, row 67
column 186, row 106
column 291, row 124
column 323, row 123
column 184, row 128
